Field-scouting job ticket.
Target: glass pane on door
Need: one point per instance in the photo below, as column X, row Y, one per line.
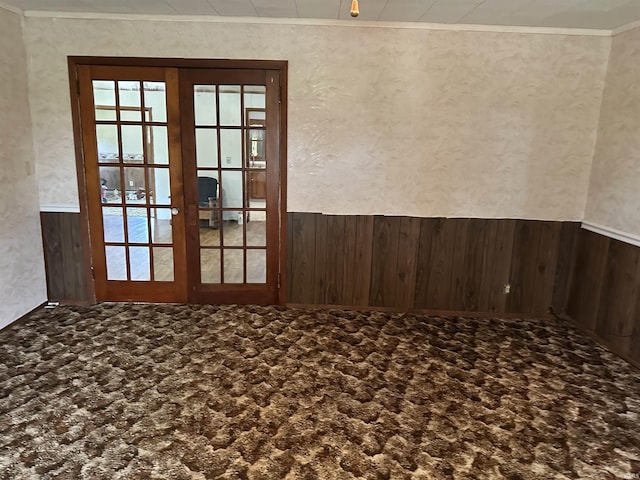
column 116, row 262
column 107, row 136
column 256, row 266
column 230, row 122
column 206, row 147
column 134, row 179
column 230, row 105
column 157, row 145
column 205, row 105
column 233, row 265
column 210, row 265
column 129, row 96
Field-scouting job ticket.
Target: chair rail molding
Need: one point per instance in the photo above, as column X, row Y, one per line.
column 60, row 208
column 612, row 233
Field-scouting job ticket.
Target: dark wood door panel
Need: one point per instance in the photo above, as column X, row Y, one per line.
column 124, row 256
column 221, row 270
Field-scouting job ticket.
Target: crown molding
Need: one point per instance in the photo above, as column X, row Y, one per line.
column 11, row 8
column 321, row 22
column 612, row 233
column 625, row 28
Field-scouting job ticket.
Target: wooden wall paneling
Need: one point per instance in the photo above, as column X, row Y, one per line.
column 489, row 259
column 567, row 246
column 349, row 277
column 588, row 278
column 384, row 268
column 290, row 258
column 634, row 341
column 458, row 266
column 423, row 262
column 501, row 264
column 74, row 268
column 442, row 246
column 634, row 350
column 334, row 260
column 363, row 260
column 476, row 280
column 430, row 263
column 321, row 252
column 302, row 266
column 545, row 272
column 53, row 255
column 408, row 243
column 64, row 255
column 619, row 297
column 604, row 295
column 523, row 267
column 70, row 290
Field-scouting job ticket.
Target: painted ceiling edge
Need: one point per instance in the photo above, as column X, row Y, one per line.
column 585, row 32
column 11, row 8
column 625, row 28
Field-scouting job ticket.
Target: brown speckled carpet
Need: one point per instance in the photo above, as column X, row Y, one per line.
column 118, row 391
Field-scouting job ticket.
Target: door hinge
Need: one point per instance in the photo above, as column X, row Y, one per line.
column 93, row 272
column 279, row 277
column 78, row 86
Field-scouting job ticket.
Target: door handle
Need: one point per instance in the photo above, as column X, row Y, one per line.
column 175, row 211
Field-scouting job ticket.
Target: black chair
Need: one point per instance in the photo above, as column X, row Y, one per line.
column 207, row 188
column 208, row 198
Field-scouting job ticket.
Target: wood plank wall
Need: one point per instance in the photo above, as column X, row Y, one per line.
column 378, row 261
column 430, row 263
column 605, row 292
column 64, row 257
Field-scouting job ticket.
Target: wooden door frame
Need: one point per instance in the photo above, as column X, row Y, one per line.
column 280, row 66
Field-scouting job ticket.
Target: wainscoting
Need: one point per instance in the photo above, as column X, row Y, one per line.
column 605, row 292
column 377, row 261
column 64, row 257
column 430, row 263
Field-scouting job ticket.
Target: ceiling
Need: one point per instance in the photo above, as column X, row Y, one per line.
column 591, row 14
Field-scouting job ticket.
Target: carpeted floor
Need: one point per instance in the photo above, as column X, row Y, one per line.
column 184, row 392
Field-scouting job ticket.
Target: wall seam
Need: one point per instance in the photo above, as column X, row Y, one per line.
column 597, row 135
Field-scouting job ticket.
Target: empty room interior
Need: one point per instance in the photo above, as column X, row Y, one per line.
column 330, row 239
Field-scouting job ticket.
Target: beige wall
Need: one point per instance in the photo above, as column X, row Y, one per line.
column 381, row 120
column 614, row 191
column 22, row 278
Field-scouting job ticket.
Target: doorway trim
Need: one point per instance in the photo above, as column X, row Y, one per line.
column 280, row 66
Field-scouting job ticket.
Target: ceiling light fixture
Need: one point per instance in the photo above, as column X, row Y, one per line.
column 355, row 11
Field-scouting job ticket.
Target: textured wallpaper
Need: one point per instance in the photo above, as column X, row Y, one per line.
column 614, row 191
column 22, row 278
column 381, row 120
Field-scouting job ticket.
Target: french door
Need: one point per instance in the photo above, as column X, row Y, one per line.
column 182, row 174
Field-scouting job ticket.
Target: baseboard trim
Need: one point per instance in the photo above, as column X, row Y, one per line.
column 419, row 311
column 612, row 233
column 608, row 346
column 74, row 303
column 25, row 316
